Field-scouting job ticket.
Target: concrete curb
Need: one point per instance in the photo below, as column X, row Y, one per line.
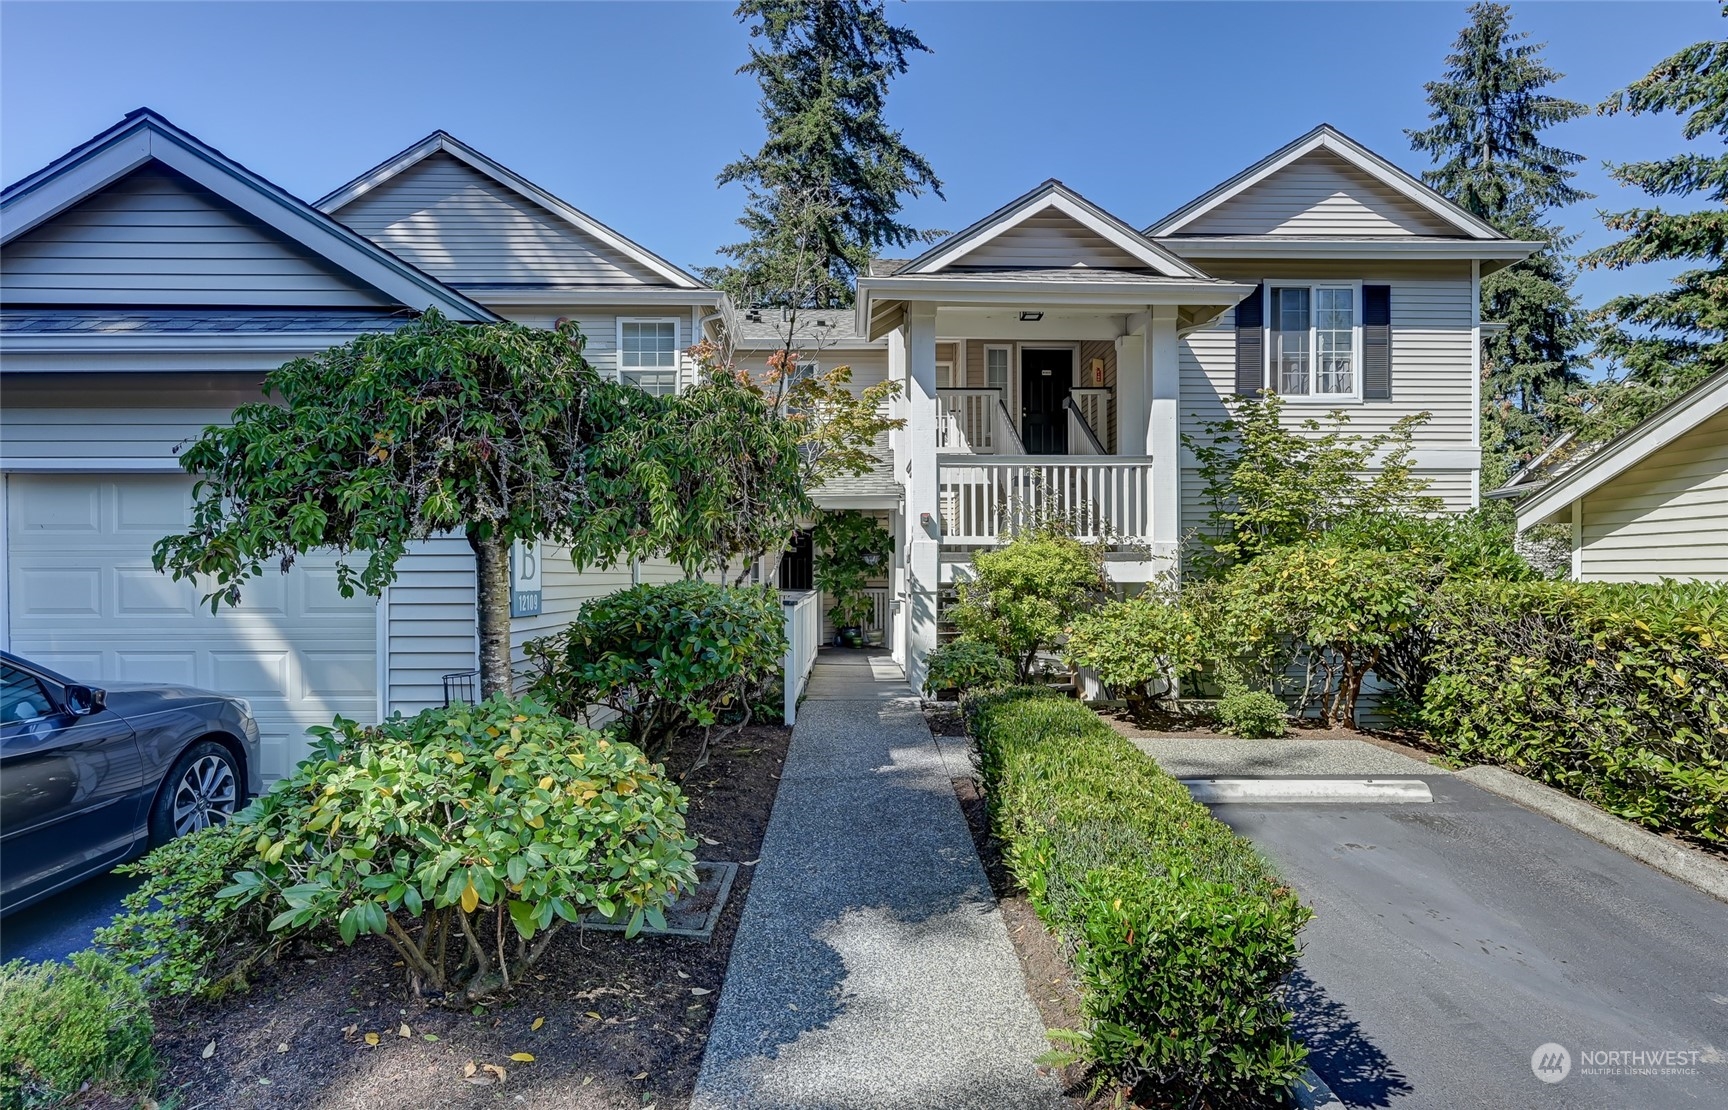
column 1213, row 791
column 1312, row 1093
column 1677, row 861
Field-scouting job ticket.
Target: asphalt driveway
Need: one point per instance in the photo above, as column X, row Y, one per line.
column 58, row 926
column 1452, row 939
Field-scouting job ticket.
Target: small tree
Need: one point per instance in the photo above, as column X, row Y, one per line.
column 1024, row 594
column 390, row 438
column 1269, row 483
column 849, row 545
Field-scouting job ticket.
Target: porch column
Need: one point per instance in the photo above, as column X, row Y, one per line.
column 1133, row 393
column 1163, row 432
column 923, row 497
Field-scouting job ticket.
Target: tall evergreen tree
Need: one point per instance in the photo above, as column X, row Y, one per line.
column 1488, row 115
column 826, row 188
column 1664, row 342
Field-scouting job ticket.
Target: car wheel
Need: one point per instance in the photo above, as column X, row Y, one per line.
column 202, row 789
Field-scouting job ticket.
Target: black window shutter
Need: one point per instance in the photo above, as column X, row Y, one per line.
column 1377, row 342
column 1251, row 343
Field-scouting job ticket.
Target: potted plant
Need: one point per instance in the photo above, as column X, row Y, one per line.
column 848, row 545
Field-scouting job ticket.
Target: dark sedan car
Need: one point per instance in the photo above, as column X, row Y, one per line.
column 93, row 775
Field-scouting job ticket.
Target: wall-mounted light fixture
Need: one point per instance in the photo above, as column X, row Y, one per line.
column 1031, row 317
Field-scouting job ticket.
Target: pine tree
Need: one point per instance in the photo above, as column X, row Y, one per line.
column 1664, row 342
column 1488, row 114
column 826, row 188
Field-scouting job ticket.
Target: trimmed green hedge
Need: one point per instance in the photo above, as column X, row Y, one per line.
column 65, row 1026
column 1617, row 693
column 1180, row 935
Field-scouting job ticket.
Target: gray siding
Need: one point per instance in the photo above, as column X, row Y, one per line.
column 156, row 238
column 463, row 227
column 1665, row 517
column 1319, row 194
column 1050, row 238
column 429, row 624
column 599, row 326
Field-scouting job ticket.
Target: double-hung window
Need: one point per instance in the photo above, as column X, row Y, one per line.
column 996, row 361
column 648, row 355
column 1314, row 348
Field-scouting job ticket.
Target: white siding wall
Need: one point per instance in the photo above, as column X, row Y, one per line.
column 429, row 624
column 461, row 226
column 1319, row 194
column 1049, row 239
column 600, row 329
column 1665, row 517
column 1432, row 317
column 156, row 238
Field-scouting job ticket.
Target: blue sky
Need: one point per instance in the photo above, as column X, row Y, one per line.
column 628, row 110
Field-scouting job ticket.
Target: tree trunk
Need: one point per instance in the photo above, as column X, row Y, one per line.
column 492, row 597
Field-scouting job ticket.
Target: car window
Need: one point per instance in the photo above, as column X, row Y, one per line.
column 22, row 696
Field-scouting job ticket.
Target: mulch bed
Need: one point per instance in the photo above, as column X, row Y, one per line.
column 625, row 1021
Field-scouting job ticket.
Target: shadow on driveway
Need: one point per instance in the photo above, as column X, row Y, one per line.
column 1352, row 1065
column 61, row 925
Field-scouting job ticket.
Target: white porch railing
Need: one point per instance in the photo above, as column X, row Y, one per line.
column 967, row 420
column 1094, row 405
column 1099, row 498
column 877, row 621
column 803, row 634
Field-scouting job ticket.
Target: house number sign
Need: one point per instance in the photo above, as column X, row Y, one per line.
column 525, row 578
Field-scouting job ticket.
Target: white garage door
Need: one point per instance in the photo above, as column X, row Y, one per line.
column 84, row 600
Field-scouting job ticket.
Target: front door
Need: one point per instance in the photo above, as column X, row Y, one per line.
column 1046, row 377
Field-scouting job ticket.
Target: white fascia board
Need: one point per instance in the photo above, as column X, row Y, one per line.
column 1122, row 237
column 856, row 500
column 104, row 163
column 510, row 179
column 1619, row 455
column 1327, row 138
column 1504, row 250
column 627, row 295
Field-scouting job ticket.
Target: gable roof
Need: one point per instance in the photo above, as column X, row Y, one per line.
column 1703, row 401
column 1052, row 194
column 144, row 137
column 1327, row 138
column 442, row 142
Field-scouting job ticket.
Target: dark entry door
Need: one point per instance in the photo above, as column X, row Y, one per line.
column 1046, row 378
column 798, row 565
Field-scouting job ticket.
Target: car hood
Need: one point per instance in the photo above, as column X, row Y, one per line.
column 142, row 697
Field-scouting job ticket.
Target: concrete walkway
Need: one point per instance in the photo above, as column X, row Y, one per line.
column 872, row 968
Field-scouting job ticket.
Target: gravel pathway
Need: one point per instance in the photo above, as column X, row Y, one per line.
column 872, row 968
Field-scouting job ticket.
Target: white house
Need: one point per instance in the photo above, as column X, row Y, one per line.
column 147, row 283
column 1050, row 355
column 1652, row 502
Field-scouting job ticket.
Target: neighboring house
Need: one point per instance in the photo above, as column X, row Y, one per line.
column 1650, row 503
column 147, row 283
column 1079, row 351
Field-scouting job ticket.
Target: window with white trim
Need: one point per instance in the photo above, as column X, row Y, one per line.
column 1314, row 350
column 648, row 355
column 996, row 363
column 944, row 374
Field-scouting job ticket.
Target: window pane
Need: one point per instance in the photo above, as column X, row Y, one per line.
column 652, row 381
column 1290, row 354
column 652, row 343
column 996, row 367
column 1334, row 320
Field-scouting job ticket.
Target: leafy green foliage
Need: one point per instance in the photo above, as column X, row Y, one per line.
column 664, row 657
column 1252, row 714
column 1617, row 693
column 826, row 187
column 1180, row 936
column 65, row 1026
column 1150, row 638
column 1663, row 343
column 182, row 938
column 966, row 665
column 1271, row 482
column 466, row 837
column 851, row 547
column 1024, row 594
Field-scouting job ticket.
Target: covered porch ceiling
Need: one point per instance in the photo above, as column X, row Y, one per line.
column 1080, row 303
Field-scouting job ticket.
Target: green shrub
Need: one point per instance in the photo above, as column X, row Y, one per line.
column 174, row 930
column 1617, row 693
column 665, row 657
column 966, row 665
column 1024, row 594
column 1180, row 936
column 466, row 837
column 1252, row 714
column 1147, row 639
column 850, row 548
column 66, row 1025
